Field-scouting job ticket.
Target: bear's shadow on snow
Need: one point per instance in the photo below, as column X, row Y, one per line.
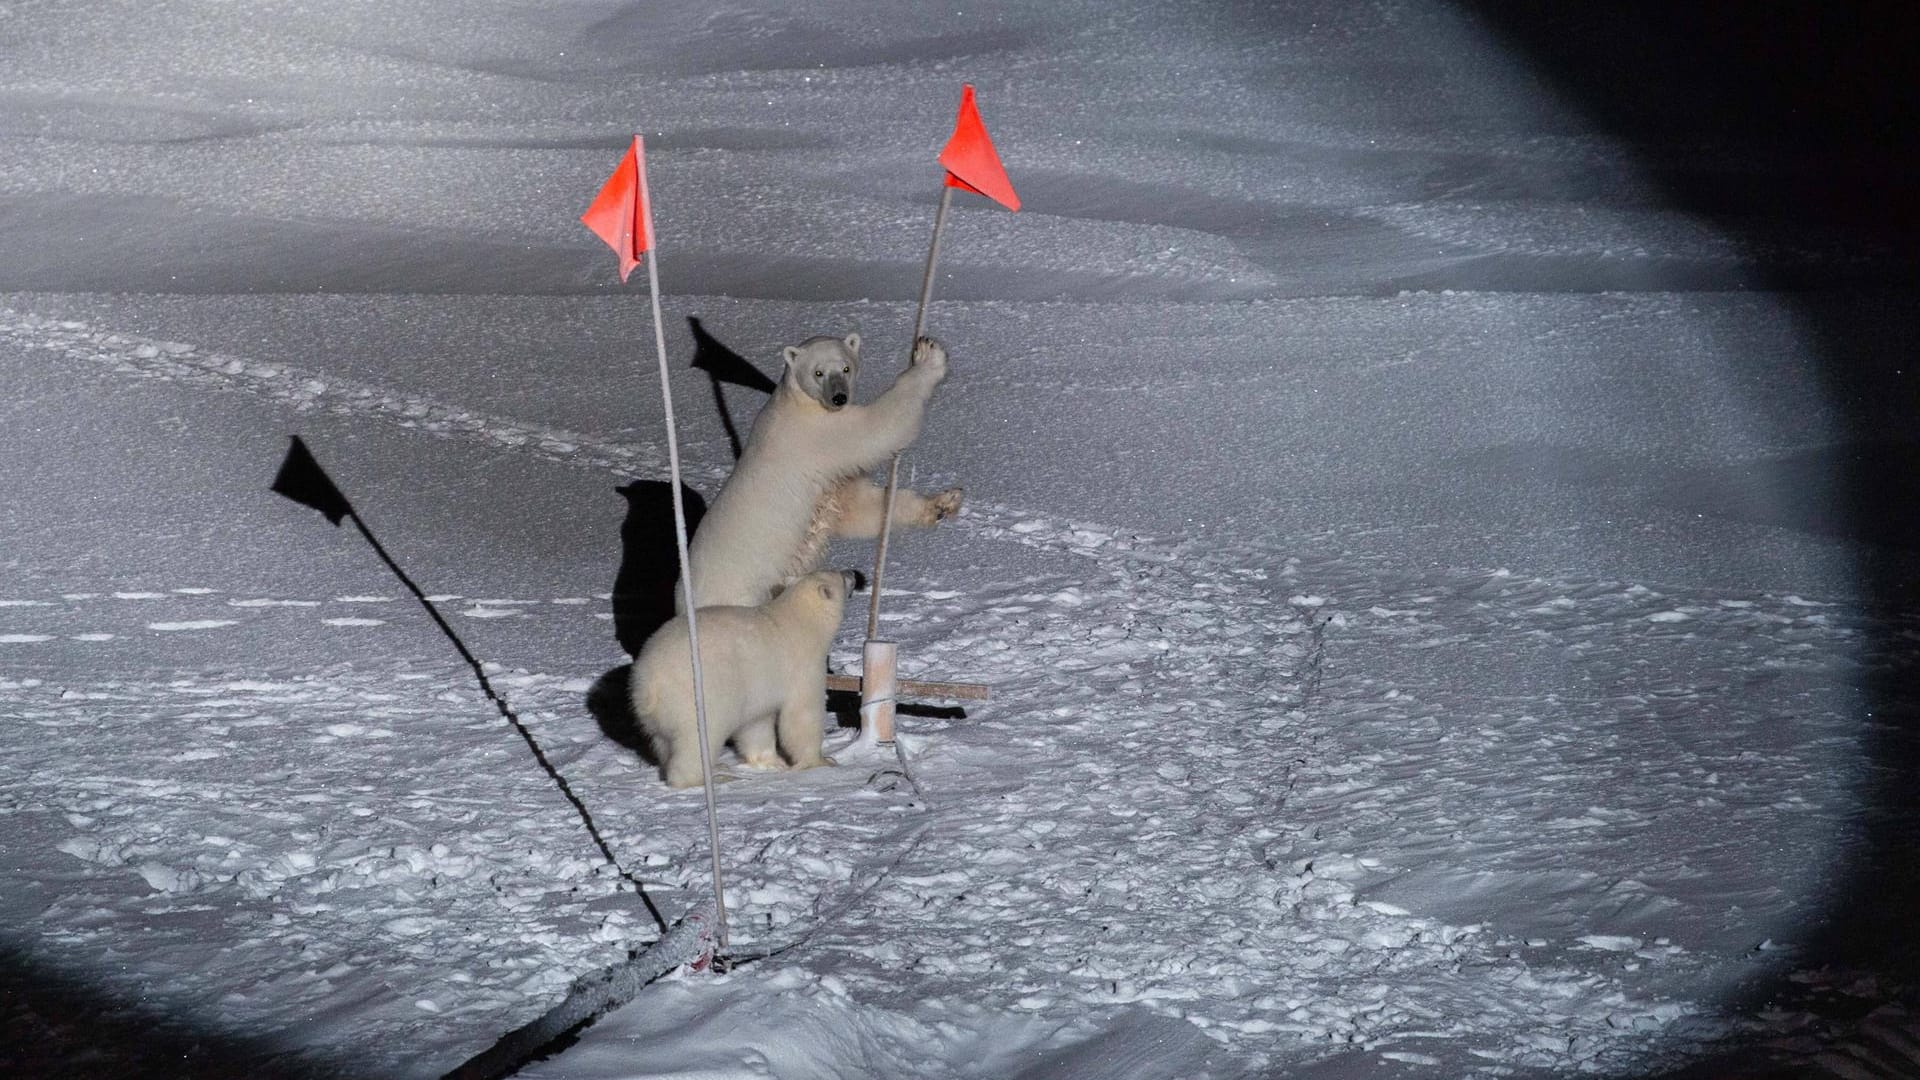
column 649, row 559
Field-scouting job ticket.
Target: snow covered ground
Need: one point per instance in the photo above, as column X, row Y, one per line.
column 1434, row 619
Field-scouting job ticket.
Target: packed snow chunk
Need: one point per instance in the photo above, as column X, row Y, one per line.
column 296, row 862
column 1669, row 616
column 192, row 624
column 1410, row 1057
column 24, row 639
column 1611, row 942
column 354, row 622
column 166, row 879
column 86, row 850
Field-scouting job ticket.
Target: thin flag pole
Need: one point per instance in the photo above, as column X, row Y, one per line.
column 686, row 578
column 893, row 468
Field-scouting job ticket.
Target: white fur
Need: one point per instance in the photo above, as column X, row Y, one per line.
column 756, row 662
column 799, row 483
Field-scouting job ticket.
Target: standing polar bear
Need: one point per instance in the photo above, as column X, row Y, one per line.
column 800, row 480
column 756, row 662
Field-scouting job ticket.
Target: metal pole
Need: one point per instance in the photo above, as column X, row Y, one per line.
column 686, row 583
column 893, row 468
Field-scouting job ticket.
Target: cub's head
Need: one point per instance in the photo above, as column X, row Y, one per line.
column 823, row 368
column 824, row 591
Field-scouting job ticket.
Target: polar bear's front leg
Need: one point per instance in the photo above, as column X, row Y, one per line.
column 870, row 434
column 861, row 505
column 801, row 728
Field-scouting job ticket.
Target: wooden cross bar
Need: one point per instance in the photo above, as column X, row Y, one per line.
column 879, row 690
column 956, row 691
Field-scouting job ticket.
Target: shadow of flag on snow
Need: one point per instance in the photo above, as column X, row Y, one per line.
column 724, row 366
column 303, row 480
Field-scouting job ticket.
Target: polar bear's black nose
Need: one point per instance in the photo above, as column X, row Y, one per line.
column 839, row 400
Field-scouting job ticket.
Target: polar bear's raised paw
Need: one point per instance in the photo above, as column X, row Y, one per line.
column 930, row 354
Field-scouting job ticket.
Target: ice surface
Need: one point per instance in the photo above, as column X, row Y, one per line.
column 1423, row 584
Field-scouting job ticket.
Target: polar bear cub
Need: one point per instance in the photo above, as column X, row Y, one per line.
column 756, row 662
column 800, row 482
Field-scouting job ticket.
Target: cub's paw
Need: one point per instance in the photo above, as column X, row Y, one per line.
column 816, row 763
column 930, row 354
column 944, row 505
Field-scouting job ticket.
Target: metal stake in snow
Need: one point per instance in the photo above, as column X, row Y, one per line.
column 622, row 216
column 971, row 165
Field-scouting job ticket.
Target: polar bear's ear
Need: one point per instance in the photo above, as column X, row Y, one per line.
column 791, row 354
column 853, row 343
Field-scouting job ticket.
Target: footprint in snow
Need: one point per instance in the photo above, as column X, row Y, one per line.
column 483, row 611
column 263, row 601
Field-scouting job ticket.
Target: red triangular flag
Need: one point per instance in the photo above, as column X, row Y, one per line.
column 619, row 214
column 970, row 161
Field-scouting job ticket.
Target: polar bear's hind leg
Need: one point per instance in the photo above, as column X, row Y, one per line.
column 861, row 505
column 682, row 762
column 755, row 744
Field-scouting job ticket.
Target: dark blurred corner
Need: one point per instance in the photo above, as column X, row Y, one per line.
column 1779, row 122
column 53, row 1025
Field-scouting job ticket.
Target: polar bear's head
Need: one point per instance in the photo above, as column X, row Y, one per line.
column 823, row 368
column 818, row 599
